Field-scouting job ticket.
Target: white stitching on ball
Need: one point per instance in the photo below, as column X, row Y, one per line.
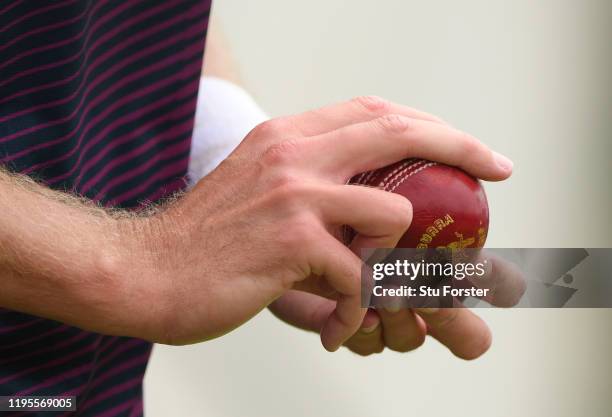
column 407, row 170
column 430, row 164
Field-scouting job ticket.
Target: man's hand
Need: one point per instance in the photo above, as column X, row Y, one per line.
column 404, row 329
column 464, row 333
column 265, row 221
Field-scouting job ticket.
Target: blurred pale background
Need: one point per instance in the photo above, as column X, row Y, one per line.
column 531, row 79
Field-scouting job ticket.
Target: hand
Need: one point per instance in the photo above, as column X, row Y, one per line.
column 403, row 330
column 266, row 219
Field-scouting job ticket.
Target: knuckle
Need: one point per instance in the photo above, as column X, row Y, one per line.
column 393, row 124
column 372, row 104
column 283, row 182
column 297, row 225
column 289, row 201
column 272, row 127
column 283, row 153
column 288, row 189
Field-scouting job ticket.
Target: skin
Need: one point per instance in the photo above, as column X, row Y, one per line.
column 404, row 330
column 259, row 231
column 262, row 224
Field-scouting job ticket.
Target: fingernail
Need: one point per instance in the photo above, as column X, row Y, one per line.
column 428, row 310
column 369, row 329
column 503, row 162
column 392, row 308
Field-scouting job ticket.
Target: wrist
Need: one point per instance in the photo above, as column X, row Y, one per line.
column 148, row 248
column 109, row 284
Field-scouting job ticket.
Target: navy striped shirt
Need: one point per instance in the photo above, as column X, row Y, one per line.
column 97, row 97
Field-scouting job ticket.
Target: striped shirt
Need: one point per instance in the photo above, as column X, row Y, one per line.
column 96, row 97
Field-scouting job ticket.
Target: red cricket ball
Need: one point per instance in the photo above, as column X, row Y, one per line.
column 449, row 206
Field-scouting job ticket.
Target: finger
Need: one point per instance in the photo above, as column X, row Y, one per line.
column 342, row 323
column 359, row 109
column 342, row 269
column 459, row 329
column 304, row 310
column 361, row 147
column 505, row 281
column 368, row 339
column 371, row 321
column 369, row 211
column 401, row 330
column 381, row 218
column 309, row 312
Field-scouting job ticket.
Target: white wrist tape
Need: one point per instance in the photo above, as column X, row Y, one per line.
column 225, row 114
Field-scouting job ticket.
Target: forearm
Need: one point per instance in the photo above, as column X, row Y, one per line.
column 62, row 257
